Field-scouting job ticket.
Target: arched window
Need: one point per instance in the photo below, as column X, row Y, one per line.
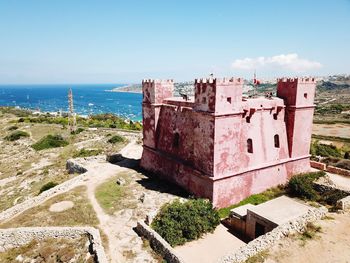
column 250, row 145
column 176, row 140
column 277, row 141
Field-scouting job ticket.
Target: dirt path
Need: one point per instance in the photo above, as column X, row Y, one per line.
column 124, row 245
column 332, row 245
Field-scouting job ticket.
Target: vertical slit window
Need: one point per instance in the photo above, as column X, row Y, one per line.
column 250, row 145
column 277, row 141
column 176, row 140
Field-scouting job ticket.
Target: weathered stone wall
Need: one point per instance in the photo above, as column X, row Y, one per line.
column 318, row 165
column 158, row 243
column 269, row 239
column 16, row 237
column 344, row 203
column 336, row 170
column 74, row 167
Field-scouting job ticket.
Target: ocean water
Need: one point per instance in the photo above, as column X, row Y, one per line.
column 88, row 99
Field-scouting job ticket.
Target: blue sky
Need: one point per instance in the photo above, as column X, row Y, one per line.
column 85, row 41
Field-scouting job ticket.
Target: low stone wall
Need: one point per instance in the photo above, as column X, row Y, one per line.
column 336, row 170
column 329, row 168
column 73, row 166
column 16, row 237
column 318, row 165
column 344, row 203
column 269, row 239
column 158, row 243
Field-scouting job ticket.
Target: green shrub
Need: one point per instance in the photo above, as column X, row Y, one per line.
column 86, row 153
column 331, row 197
column 179, row 222
column 47, row 186
column 301, row 185
column 12, row 128
column 50, row 141
column 116, row 139
column 325, row 150
column 16, row 135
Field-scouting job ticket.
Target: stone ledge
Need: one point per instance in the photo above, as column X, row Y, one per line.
column 158, row 244
column 16, row 237
column 344, row 203
column 269, row 239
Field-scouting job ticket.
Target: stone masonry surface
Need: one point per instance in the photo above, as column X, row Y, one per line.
column 16, row 237
column 223, row 146
column 269, row 239
column 158, row 243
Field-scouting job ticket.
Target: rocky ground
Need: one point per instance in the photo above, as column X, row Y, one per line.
column 23, row 171
column 50, row 250
column 330, row 245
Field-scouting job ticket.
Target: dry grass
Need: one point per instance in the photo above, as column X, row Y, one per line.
column 81, row 214
column 50, row 250
column 113, row 197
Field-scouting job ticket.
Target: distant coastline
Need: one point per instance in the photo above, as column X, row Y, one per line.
column 132, row 88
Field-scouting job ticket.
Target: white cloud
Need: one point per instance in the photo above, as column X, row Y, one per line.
column 285, row 61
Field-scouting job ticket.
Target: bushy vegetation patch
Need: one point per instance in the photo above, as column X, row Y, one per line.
column 79, row 130
column 179, row 222
column 310, row 232
column 47, row 186
column 87, row 152
column 255, row 199
column 106, row 120
column 16, row 135
column 325, row 150
column 301, row 185
column 50, row 141
column 116, row 139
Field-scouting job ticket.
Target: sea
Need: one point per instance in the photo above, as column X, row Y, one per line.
column 88, row 99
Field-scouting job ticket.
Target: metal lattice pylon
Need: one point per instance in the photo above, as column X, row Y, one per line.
column 72, row 118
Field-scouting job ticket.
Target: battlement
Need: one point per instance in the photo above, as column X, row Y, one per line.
column 304, row 80
column 220, row 81
column 161, row 81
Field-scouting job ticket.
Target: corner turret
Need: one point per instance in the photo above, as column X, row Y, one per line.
column 219, row 96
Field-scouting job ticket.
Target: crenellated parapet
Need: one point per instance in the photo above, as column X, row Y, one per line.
column 302, row 80
column 219, row 81
column 218, row 95
column 155, row 90
column 159, row 81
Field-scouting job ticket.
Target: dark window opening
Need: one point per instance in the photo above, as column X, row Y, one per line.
column 305, row 95
column 229, row 99
column 250, row 145
column 275, row 116
column 247, row 119
column 277, row 141
column 176, row 140
column 259, row 230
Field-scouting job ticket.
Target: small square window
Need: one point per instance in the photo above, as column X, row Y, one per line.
column 305, row 95
column 229, row 100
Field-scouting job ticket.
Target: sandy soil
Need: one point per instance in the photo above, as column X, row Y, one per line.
column 332, row 245
column 211, row 247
